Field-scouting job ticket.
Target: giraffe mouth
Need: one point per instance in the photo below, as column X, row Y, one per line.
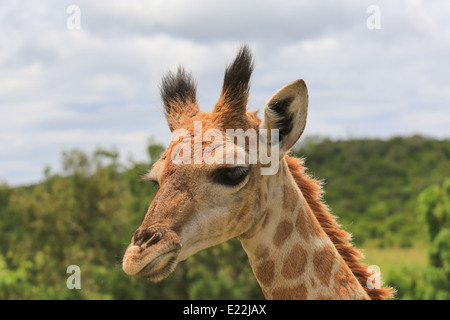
column 151, row 263
column 160, row 267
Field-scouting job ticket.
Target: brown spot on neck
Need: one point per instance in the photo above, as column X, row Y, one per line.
column 265, row 272
column 323, row 260
column 295, row 262
column 299, row 292
column 307, row 226
column 284, row 230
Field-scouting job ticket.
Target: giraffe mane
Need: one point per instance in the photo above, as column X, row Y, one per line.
column 312, row 191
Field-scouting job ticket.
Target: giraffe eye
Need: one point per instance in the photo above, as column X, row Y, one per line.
column 231, row 176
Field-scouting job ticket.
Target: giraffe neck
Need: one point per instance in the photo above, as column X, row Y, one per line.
column 290, row 254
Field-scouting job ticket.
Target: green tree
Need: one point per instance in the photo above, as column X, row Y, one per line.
column 434, row 208
column 432, row 282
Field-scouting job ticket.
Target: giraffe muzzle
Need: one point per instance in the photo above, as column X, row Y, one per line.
column 152, row 254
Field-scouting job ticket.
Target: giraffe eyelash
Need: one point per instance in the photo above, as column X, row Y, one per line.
column 155, row 184
column 231, row 176
column 149, row 178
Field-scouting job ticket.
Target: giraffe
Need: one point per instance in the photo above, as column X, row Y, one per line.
column 294, row 245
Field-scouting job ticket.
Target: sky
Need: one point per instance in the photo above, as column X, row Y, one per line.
column 87, row 76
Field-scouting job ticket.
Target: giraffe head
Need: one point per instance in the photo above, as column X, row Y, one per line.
column 204, row 199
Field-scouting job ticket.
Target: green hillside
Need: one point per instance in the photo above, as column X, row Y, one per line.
column 86, row 215
column 373, row 185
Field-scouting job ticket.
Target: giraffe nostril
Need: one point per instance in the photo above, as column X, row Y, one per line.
column 136, row 233
column 146, row 237
column 140, row 237
column 155, row 238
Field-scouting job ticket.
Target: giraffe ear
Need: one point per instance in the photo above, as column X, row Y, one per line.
column 178, row 93
column 286, row 111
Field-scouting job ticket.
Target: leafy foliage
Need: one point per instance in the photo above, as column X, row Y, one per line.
column 432, row 282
